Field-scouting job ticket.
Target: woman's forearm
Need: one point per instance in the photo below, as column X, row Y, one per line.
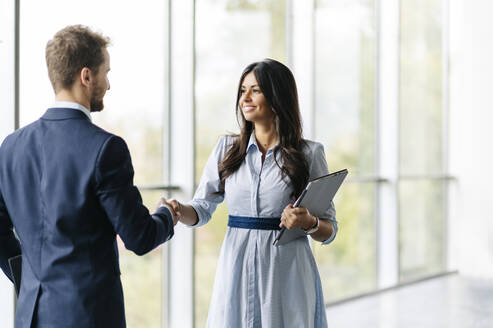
column 325, row 230
column 188, row 215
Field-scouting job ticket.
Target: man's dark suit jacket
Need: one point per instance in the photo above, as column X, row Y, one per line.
column 66, row 185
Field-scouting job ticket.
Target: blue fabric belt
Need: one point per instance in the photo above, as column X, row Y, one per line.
column 247, row 222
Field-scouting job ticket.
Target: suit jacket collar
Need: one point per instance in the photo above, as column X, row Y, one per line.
column 64, row 114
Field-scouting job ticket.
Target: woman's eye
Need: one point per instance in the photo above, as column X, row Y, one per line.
column 257, row 91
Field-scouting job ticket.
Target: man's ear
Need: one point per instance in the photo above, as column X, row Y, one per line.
column 85, row 76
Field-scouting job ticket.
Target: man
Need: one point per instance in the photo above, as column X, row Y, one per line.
column 66, row 186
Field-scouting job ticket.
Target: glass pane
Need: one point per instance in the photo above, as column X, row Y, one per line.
column 347, row 265
column 345, row 60
column 134, row 107
column 421, row 228
column 421, row 122
column 223, row 53
column 421, row 139
column 129, row 103
column 255, row 30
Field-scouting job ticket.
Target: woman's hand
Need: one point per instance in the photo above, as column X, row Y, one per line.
column 184, row 213
column 297, row 217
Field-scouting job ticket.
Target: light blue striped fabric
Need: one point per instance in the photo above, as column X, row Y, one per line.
column 258, row 284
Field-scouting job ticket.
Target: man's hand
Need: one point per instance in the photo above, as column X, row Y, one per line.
column 176, row 206
column 171, row 207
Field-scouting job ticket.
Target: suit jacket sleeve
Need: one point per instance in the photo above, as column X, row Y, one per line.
column 121, row 200
column 9, row 245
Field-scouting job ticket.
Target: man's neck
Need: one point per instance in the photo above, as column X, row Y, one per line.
column 68, row 95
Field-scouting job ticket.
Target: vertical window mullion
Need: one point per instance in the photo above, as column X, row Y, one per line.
column 166, row 144
column 182, row 157
column 445, row 134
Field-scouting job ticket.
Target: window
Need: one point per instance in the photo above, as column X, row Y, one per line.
column 345, row 61
column 342, row 81
column 421, row 139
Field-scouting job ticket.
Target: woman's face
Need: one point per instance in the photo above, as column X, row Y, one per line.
column 253, row 104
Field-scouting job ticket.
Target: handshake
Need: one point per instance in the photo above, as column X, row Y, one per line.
column 184, row 213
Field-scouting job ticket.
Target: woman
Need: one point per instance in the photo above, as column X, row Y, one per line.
column 259, row 173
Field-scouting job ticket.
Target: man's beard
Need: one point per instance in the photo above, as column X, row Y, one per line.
column 97, row 105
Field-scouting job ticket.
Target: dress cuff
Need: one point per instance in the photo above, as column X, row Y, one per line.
column 334, row 232
column 200, row 215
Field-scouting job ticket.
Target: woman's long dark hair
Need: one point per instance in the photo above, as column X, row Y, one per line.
column 278, row 86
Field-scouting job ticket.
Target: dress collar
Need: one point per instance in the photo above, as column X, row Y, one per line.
column 252, row 142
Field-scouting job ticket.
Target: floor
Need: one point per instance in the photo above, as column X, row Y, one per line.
column 450, row 301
